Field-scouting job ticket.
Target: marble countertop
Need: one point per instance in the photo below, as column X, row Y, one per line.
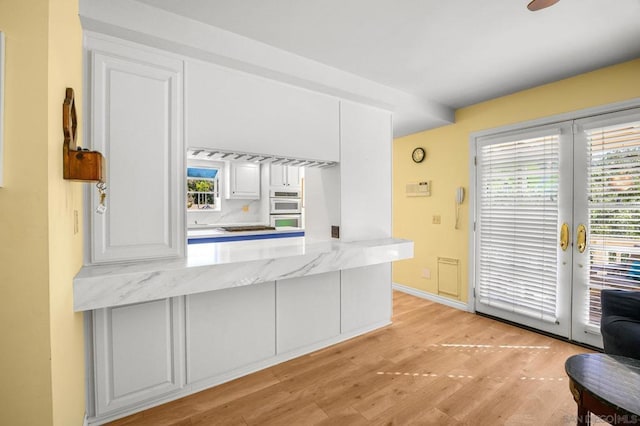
column 217, row 266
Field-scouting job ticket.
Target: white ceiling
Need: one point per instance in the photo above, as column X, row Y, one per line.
column 455, row 52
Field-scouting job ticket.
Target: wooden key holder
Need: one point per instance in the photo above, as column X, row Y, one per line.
column 78, row 164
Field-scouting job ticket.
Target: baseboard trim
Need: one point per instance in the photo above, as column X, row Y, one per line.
column 430, row 296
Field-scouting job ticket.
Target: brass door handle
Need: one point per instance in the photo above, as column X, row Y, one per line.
column 564, row 236
column 581, row 238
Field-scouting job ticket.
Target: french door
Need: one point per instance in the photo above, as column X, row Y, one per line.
column 557, row 219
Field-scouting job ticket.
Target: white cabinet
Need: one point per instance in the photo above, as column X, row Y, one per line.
column 366, row 297
column 284, row 176
column 242, row 181
column 135, row 121
column 240, row 112
column 365, row 211
column 138, row 353
column 228, row 329
column 365, row 172
column 308, row 310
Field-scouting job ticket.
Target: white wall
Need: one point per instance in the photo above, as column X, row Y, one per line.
column 231, row 212
column 322, row 201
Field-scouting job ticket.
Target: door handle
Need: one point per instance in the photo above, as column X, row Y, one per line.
column 564, row 236
column 581, row 238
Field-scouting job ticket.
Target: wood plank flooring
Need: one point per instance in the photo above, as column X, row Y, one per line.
column 434, row 365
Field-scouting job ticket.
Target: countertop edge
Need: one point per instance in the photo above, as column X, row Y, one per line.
column 122, row 288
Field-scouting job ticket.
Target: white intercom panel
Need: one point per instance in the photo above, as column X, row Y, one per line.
column 418, row 189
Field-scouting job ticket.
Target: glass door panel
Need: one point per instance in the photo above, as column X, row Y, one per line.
column 607, row 202
column 524, row 186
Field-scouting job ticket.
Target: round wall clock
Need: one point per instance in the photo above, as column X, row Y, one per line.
column 418, row 155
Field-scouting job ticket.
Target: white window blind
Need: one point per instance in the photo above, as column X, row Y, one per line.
column 518, row 226
column 614, row 211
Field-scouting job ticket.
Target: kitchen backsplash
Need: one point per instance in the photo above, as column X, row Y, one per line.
column 232, row 212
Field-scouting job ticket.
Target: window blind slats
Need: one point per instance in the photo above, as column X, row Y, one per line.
column 613, row 186
column 518, row 225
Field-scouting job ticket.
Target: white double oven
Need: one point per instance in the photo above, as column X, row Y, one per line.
column 285, row 208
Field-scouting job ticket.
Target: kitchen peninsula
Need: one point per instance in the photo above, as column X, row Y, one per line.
column 166, row 329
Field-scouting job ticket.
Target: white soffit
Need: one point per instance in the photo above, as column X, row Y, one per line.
column 138, row 22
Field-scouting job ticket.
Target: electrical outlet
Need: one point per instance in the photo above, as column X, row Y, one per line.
column 436, row 219
column 426, row 273
column 335, row 231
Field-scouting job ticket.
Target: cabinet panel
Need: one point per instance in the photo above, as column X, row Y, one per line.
column 365, row 172
column 243, row 181
column 137, row 353
column 227, row 329
column 282, row 176
column 240, row 112
column 308, row 310
column 366, row 296
column 136, row 125
column 277, row 177
column 293, row 176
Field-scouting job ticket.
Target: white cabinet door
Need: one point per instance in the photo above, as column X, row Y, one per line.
column 229, row 329
column 366, row 297
column 308, row 310
column 293, row 177
column 243, row 181
column 136, row 102
column 277, row 177
column 138, row 353
column 282, row 176
column 236, row 111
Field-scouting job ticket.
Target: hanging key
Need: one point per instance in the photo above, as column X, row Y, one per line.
column 102, row 207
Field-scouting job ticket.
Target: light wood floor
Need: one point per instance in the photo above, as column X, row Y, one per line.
column 434, row 365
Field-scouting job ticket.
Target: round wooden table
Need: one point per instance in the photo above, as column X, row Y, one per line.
column 607, row 386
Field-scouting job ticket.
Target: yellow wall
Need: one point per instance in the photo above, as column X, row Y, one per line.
column 447, row 164
column 41, row 361
column 65, row 245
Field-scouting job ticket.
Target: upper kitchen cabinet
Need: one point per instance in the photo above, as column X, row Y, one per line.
column 239, row 112
column 136, row 108
column 365, row 172
column 242, row 181
column 283, row 176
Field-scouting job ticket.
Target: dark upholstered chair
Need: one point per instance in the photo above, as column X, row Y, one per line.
column 620, row 324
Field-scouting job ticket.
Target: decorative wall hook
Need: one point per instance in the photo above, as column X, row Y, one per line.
column 78, row 163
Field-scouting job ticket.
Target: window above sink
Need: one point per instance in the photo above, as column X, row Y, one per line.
column 203, row 188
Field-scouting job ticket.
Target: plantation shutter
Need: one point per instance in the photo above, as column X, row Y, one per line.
column 517, row 228
column 613, row 194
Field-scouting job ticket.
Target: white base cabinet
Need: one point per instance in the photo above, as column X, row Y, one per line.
column 148, row 353
column 366, row 296
column 308, row 310
column 229, row 328
column 138, row 353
